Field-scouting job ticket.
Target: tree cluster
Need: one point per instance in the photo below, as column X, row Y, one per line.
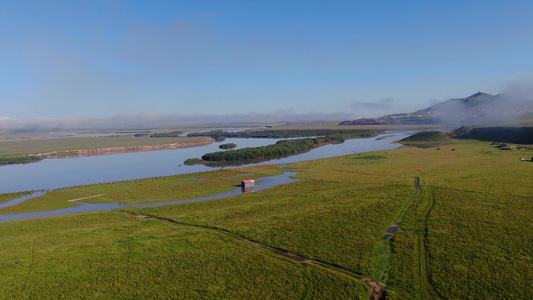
column 279, row 149
column 227, row 146
column 11, row 160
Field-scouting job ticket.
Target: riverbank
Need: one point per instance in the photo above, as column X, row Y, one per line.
column 42, row 204
column 139, row 191
column 97, row 145
column 59, row 173
column 121, row 150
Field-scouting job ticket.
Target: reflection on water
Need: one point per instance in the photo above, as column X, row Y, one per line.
column 64, row 172
column 264, row 183
column 247, row 189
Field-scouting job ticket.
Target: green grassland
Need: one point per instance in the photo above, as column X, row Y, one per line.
column 464, row 233
column 21, row 147
column 149, row 190
column 112, row 256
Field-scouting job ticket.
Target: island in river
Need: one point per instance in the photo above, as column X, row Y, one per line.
column 124, row 149
column 282, row 148
column 32, row 150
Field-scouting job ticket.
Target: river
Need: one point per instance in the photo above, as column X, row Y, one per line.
column 65, row 172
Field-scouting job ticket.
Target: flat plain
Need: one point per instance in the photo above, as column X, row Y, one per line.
column 461, row 210
column 31, row 146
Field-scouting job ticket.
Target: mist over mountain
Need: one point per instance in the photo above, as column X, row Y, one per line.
column 479, row 108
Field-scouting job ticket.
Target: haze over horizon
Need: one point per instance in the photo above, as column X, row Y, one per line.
column 88, row 63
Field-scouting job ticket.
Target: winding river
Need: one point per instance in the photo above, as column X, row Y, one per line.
column 64, row 172
column 57, row 173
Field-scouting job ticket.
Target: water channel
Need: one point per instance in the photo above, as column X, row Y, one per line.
column 81, row 207
column 64, row 172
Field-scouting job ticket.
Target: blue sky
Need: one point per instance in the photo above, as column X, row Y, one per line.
column 340, row 58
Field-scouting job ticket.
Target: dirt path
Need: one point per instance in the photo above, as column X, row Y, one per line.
column 383, row 254
column 423, row 209
column 74, row 200
column 376, row 288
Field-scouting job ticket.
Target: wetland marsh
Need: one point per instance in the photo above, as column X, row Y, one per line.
column 464, row 233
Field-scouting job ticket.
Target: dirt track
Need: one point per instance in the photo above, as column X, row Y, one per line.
column 74, row 200
column 376, row 288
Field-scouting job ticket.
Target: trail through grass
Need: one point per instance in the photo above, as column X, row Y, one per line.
column 375, row 286
column 112, row 256
column 466, row 233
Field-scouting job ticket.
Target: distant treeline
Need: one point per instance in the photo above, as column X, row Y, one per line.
column 167, row 134
column 140, row 134
column 346, row 133
column 516, row 135
column 12, row 160
column 280, row 149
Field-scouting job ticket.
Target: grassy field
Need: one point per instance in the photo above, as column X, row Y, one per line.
column 20, row 147
column 112, row 256
column 464, row 232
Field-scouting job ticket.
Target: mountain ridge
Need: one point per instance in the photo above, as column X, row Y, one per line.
column 478, row 108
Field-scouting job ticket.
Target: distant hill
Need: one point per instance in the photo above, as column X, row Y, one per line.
column 515, row 135
column 479, row 108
